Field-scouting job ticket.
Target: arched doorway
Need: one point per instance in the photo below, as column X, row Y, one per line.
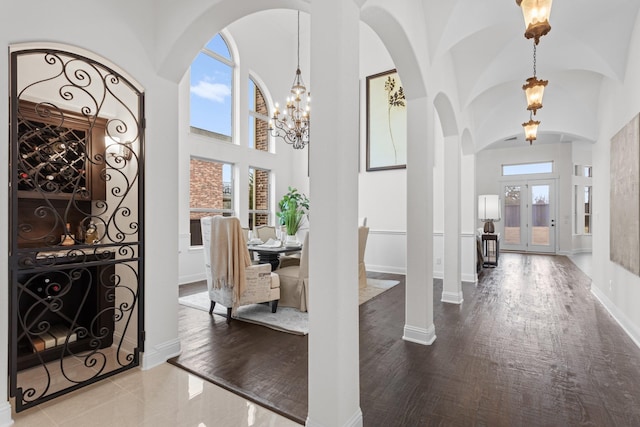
column 76, row 208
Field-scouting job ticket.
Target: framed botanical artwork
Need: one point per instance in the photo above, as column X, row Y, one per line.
column 386, row 122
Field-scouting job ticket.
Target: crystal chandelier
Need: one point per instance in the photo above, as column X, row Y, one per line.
column 292, row 124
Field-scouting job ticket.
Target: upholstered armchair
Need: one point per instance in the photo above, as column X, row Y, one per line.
column 232, row 280
column 294, row 281
column 363, row 233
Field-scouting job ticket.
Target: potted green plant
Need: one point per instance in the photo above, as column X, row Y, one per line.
column 293, row 206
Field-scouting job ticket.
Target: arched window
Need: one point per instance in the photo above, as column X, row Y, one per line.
column 211, row 90
column 258, row 118
column 259, row 189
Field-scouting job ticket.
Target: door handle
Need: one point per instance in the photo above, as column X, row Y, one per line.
column 553, row 222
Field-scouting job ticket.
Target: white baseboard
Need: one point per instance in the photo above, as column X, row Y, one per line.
column 160, row 354
column 452, row 297
column 5, row 414
column 618, row 315
column 354, row 421
column 183, row 280
column 386, row 269
column 574, row 252
column 419, row 335
column 466, row 277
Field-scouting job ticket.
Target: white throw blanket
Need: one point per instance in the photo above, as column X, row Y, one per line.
column 229, row 255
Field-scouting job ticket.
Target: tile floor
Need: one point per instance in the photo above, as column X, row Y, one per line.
column 163, row 396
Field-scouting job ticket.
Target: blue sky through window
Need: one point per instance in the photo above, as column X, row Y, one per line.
column 219, row 46
column 252, row 95
column 226, row 172
column 211, row 82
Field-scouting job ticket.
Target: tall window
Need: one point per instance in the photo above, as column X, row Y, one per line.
column 583, row 194
column 210, row 193
column 211, row 90
column 258, row 197
column 258, row 119
column 587, row 210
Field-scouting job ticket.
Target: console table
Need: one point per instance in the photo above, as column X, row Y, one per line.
column 491, row 249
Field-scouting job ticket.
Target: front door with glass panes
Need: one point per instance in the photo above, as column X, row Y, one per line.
column 529, row 216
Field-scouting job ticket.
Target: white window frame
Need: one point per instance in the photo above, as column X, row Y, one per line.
column 231, row 63
column 527, row 172
column 253, row 115
column 582, row 179
column 234, row 195
column 269, row 210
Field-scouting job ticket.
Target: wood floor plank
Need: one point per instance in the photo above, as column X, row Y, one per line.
column 529, row 346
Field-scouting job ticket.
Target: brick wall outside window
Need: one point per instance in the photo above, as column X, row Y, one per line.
column 207, row 191
column 259, row 198
column 261, row 126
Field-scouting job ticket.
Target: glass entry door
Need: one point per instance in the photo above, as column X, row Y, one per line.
column 529, row 216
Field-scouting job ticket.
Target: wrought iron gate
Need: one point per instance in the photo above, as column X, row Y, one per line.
column 76, row 242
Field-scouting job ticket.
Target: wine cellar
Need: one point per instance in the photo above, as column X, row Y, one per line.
column 76, row 246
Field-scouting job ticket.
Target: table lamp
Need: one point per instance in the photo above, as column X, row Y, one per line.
column 489, row 211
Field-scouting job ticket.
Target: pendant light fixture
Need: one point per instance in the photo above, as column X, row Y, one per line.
column 292, row 124
column 536, row 17
column 531, row 130
column 534, row 88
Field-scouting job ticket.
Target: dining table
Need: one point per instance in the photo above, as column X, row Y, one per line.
column 268, row 254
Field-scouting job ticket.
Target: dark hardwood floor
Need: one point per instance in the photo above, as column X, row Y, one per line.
column 530, row 346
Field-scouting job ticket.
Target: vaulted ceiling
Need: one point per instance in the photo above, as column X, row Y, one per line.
column 588, row 42
column 491, row 58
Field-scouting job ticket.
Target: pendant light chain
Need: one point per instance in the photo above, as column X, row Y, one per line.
column 292, row 124
column 298, row 39
column 534, row 59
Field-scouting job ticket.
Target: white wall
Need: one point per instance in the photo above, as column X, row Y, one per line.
column 127, row 46
column 489, row 179
column 581, row 154
column 271, row 68
column 617, row 289
column 382, row 194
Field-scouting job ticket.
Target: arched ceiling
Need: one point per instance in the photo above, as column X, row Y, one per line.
column 588, row 42
column 481, row 48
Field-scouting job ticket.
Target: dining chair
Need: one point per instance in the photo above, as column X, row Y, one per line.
column 265, row 232
column 294, row 281
column 363, row 234
column 232, row 279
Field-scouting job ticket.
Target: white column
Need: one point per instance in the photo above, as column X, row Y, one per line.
column 419, row 326
column 334, row 386
column 468, row 219
column 452, row 283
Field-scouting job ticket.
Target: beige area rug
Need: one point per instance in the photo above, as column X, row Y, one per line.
column 286, row 319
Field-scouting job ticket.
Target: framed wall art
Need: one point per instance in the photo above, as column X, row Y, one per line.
column 386, row 122
column 624, row 223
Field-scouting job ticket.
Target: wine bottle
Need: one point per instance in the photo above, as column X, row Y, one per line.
column 68, row 239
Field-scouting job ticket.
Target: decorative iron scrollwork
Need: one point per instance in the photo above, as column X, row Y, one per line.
column 76, row 244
